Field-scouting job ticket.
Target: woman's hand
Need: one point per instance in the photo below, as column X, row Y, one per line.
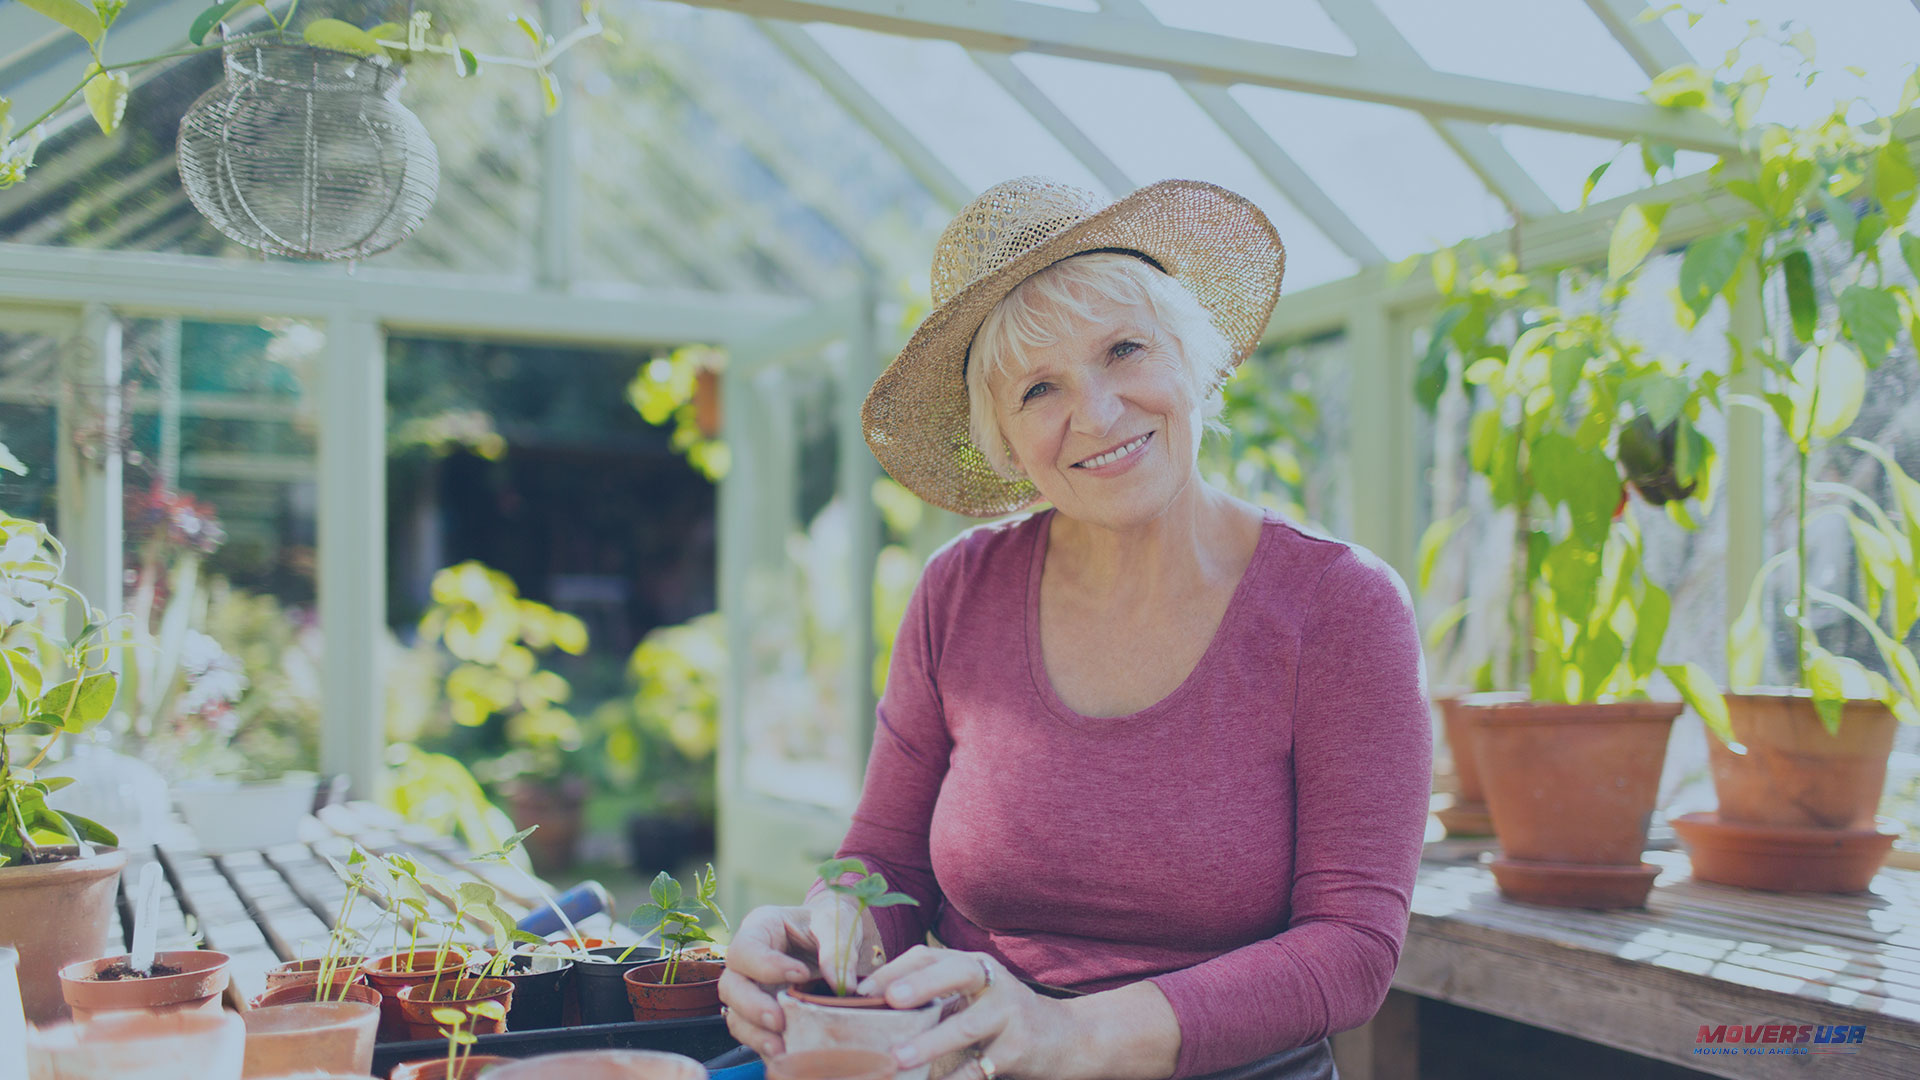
column 782, row 946
column 1021, row 1033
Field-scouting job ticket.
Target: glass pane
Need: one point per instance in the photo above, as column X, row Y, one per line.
column 1302, row 24
column 1287, row 416
column 1557, row 44
column 29, row 421
column 1560, row 162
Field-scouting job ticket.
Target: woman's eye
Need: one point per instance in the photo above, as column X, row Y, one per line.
column 1033, row 391
column 1126, row 348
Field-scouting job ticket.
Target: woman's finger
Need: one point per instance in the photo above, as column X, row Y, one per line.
column 765, row 1043
column 976, row 1025
column 744, row 997
column 914, row 960
column 763, row 948
column 952, row 972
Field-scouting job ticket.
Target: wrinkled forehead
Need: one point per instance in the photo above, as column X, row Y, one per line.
column 1043, row 327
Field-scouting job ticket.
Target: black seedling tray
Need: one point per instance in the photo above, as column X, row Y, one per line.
column 700, row 1039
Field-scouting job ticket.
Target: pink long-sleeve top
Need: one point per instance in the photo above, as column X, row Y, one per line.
column 1248, row 843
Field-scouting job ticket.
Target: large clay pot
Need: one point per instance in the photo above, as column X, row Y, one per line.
column 821, row 1021
column 201, row 980
column 436, row 1068
column 839, row 1064
column 419, row 1002
column 57, row 914
column 395, row 972
column 1791, row 773
column 603, row 1065
column 694, row 991
column 116, row 1046
column 1571, row 789
column 334, row 1037
column 554, row 806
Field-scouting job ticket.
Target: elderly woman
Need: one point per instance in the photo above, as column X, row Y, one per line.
column 1153, row 761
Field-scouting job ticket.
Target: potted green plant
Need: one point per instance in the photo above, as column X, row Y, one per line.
column 829, row 1013
column 1799, row 769
column 680, row 986
column 461, row 1063
column 56, row 887
column 1571, row 766
column 478, row 980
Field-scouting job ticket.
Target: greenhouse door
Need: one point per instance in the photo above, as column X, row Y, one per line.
column 798, row 539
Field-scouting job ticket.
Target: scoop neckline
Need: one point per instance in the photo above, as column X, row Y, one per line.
column 1036, row 662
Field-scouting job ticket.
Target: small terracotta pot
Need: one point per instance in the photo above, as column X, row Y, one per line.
column 600, row 989
column 346, row 969
column 1467, row 815
column 821, row 1021
column 436, row 1068
column 604, row 1065
column 694, row 992
column 832, row 1065
column 299, row 993
column 1778, row 859
column 706, row 402
column 150, row 1046
column 1793, row 774
column 335, row 1037
column 417, row 1007
column 202, row 979
column 56, row 914
column 395, row 972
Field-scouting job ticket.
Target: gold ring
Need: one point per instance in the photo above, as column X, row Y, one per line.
column 987, row 970
column 987, row 1071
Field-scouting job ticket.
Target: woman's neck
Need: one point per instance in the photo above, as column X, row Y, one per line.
column 1190, row 547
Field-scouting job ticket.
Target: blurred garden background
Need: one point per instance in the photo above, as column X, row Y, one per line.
column 558, row 512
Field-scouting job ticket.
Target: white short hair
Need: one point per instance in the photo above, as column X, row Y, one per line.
column 1041, row 310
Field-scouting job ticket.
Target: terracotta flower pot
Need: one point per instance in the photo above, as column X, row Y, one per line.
column 556, row 807
column 1467, row 816
column 832, row 1065
column 694, row 992
column 818, row 1020
column 436, row 1068
column 603, row 1065
column 395, row 972
column 1572, row 787
column 56, row 914
column 335, row 1037
column 600, row 984
column 1780, row 859
column 1792, row 773
column 201, row 979
column 346, row 969
column 300, row 993
column 119, row 1045
column 418, row 1002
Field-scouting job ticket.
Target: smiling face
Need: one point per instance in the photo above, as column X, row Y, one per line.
column 1101, row 418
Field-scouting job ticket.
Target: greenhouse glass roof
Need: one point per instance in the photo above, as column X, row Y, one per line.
column 780, row 146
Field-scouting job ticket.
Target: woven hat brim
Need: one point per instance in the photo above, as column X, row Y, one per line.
column 1216, row 243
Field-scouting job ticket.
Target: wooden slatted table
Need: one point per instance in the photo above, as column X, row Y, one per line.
column 1646, row 980
column 265, row 907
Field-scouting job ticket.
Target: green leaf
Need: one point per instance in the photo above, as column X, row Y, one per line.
column 1829, row 384
column 1877, row 553
column 72, row 14
column 1445, row 267
column 1634, row 236
column 1906, row 491
column 1430, row 379
column 1801, row 305
column 106, row 95
column 665, row 891
column 1584, row 480
column 91, row 831
column 1656, row 156
column 549, row 90
column 1650, row 629
column 1871, row 317
column 530, row 28
column 204, row 22
column 1571, row 572
column 1708, row 267
column 489, row 1009
column 893, row 900
column 1593, row 181
column 1825, row 677
column 60, row 705
column 1702, row 696
column 1681, row 87
column 1910, row 252
column 340, row 37
column 1866, row 235
column 475, row 894
column 833, row 870
column 469, row 63
column 1433, row 541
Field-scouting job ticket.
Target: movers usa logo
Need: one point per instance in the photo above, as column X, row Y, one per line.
column 1756, row 1039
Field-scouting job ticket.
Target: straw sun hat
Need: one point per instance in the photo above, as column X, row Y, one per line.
column 1216, row 243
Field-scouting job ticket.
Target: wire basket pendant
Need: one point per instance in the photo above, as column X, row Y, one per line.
column 308, row 153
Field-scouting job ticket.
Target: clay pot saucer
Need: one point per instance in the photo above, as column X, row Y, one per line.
column 1576, row 885
column 1466, row 818
column 1785, row 859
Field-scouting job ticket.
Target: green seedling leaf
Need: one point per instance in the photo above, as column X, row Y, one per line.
column 72, row 14
column 1871, row 318
column 77, row 704
column 1634, row 236
column 1702, row 696
column 51, row 784
column 1826, row 678
column 892, row 900
column 340, row 37
column 109, row 11
column 1801, row 305
column 475, row 894
column 666, row 892
column 1650, row 629
column 1593, row 181
column 92, row 831
column 489, row 1009
column 449, row 1017
column 106, row 95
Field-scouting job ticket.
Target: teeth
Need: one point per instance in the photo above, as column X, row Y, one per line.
column 1114, row 455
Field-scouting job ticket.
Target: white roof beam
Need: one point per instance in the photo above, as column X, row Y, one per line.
column 1650, row 43
column 919, row 160
column 1266, row 154
column 1000, row 68
column 1011, row 26
column 1372, row 33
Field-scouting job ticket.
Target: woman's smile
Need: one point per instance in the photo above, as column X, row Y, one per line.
column 1115, row 461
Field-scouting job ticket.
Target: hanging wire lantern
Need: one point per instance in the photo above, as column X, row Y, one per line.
column 308, row 152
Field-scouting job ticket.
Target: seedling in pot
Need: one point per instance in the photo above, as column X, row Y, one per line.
column 352, row 874
column 504, row 854
column 867, row 891
column 677, row 920
column 460, row 1037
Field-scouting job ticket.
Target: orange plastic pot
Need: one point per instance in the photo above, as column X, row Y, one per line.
column 395, row 972
column 436, row 1068
column 418, row 1002
column 201, row 980
column 1788, row 772
column 694, row 992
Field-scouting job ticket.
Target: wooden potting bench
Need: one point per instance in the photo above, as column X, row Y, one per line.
column 1645, row 981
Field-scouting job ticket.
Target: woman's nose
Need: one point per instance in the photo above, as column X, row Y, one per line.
column 1099, row 407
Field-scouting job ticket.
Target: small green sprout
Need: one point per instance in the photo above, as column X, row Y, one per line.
column 867, row 891
column 669, row 906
